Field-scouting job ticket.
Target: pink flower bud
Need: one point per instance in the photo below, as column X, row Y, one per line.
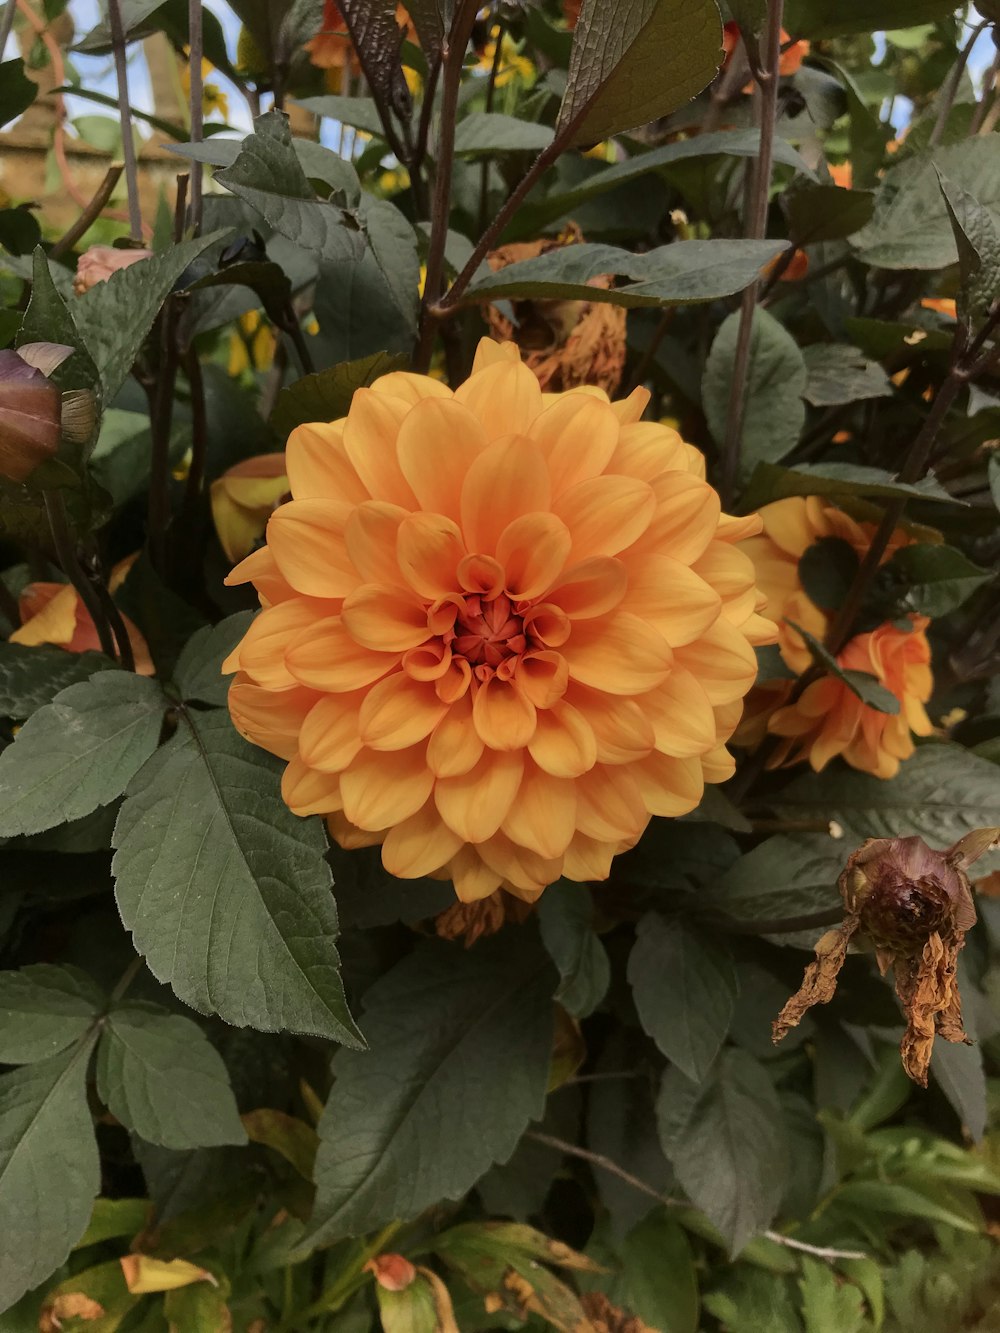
column 99, row 262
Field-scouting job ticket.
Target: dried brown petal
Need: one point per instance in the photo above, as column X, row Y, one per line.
column 469, row 922
column 820, row 981
column 989, row 885
column 928, row 991
column 904, row 891
column 608, row 1318
column 68, row 1305
column 972, row 846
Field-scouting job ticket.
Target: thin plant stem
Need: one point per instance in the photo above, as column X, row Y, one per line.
column 91, row 213
column 755, row 226
column 126, row 979
column 62, row 540
column 7, row 23
column 125, row 654
column 199, row 432
column 125, row 118
column 950, row 90
column 989, row 87
column 294, row 330
column 197, row 110
column 491, row 87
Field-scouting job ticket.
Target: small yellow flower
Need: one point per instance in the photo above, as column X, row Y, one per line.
column 514, row 67
column 212, row 97
column 251, row 345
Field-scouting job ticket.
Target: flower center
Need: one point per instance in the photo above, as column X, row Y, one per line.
column 488, row 632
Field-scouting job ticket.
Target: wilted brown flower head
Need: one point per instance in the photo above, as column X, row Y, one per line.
column 565, row 343
column 97, row 264
column 913, row 906
column 34, row 414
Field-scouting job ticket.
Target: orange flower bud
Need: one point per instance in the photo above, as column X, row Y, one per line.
column 243, row 499
column 99, row 262
column 392, row 1271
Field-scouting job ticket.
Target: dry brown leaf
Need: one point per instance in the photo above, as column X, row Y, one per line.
column 68, row 1305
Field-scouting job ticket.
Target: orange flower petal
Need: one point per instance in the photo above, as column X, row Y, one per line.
column 261, row 654
column 429, row 549
column 508, row 479
column 270, row 718
column 349, row 836
column 380, row 790
column 389, row 620
column 587, row 859
column 420, row 845
column 473, row 878
column 681, row 716
column 620, row 655
column 438, row 443
column 306, row 538
column 51, row 614
column 307, row 791
column 577, row 435
column 621, row 727
column 370, row 433
column 564, row 743
column 398, row 712
column 410, row 388
column 455, row 746
column 647, row 450
column 591, row 587
column 504, row 396
column 543, row 815
column 609, row 803
column 370, row 537
column 318, row 466
column 475, row 804
column 533, row 551
column 329, row 738
column 520, row 867
column 605, row 514
column 723, row 662
column 502, row 715
column 491, row 353
column 684, row 519
column 669, row 786
column 672, row 598
column 542, row 677
column 260, row 568
column 629, row 410
column 326, row 657
column 787, row 524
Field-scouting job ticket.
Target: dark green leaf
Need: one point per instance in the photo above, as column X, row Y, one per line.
column 770, row 482
column 198, row 673
column 17, row 91
column 19, row 230
column 268, row 175
column 910, row 228
column 493, row 132
column 725, row 1141
column 31, row 677
column 326, row 396
column 994, row 478
column 669, row 275
column 49, row 1169
column 79, row 751
column 751, row 15
column 959, row 1071
column 48, row 319
column 782, row 878
column 225, row 891
column 862, row 684
column 938, row 579
column 167, row 622
column 685, row 989
column 658, row 1279
column 978, row 243
column 360, row 113
column 839, row 373
column 163, row 1079
column 819, row 18
column 115, row 316
column 776, row 381
column 771, row 666
column 44, row 1009
column 457, row 1070
column 826, row 571
column 565, row 915
column 266, row 280
column 393, row 242
column 826, row 212
column 634, row 63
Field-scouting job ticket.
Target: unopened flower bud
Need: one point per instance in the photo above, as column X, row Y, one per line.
column 34, row 414
column 99, row 262
column 391, row 1271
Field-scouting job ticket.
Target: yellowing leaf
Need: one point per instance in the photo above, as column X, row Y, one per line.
column 144, row 1274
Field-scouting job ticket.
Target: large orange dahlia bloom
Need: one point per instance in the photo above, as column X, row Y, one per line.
column 829, row 719
column 501, row 628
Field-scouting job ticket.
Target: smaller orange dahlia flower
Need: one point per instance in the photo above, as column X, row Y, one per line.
column 829, row 719
column 501, row 628
column 243, row 499
column 332, row 47
column 792, row 53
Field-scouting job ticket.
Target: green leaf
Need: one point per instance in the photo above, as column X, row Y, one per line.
column 676, row 274
column 115, row 316
column 882, row 1196
column 937, row 579
column 19, row 230
column 360, row 113
column 31, row 677
column 292, row 1138
column 378, row 38
column 826, row 212
column 783, row 877
column 112, row 1218
column 49, row 1168
column 685, row 989
column 827, row 569
column 862, row 684
column 457, row 1070
column 367, row 895
column 751, row 15
column 941, row 793
column 818, row 18
column 770, row 482
column 659, row 1281
column 198, row 673
column 166, row 620
column 79, row 751
column 565, row 915
column 776, row 381
column 410, row 1310
column 838, row 373
column 493, row 132
column 201, row 1307
column 830, row 1305
column 910, row 228
column 268, row 175
column 326, row 396
column 636, row 62
column 393, row 242
column 163, row 1079
column 225, row 891
column 17, row 91
column 960, row 1074
column 994, row 478
column 726, row 1143
column 44, row 1009
column 978, row 243
column 49, row 319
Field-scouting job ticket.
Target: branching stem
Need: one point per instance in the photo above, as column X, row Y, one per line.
column 125, row 118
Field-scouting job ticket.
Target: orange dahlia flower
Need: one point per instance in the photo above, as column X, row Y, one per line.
column 789, row 62
column 53, row 613
column 829, row 719
column 243, row 499
column 501, row 628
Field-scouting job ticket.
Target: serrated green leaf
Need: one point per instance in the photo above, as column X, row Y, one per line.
column 198, row 673
column 225, row 891
column 725, row 1141
column 493, row 132
column 636, row 62
column 959, row 1071
column 49, row 319
column 977, row 240
column 457, row 1070
column 685, row 271
column 44, row 1009
column 49, row 1168
column 826, row 212
column 79, row 751
column 685, row 988
column 565, row 915
column 783, row 877
column 830, row 1305
column 393, row 243
column 115, row 316
column 163, row 1079
column 838, row 373
column 771, row 482
column 937, row 579
column 31, row 677
column 776, row 382
column 326, row 396
column 659, row 1280
column 866, row 687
